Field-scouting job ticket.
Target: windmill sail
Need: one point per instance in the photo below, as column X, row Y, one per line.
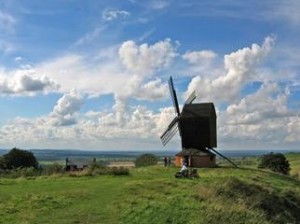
column 191, row 98
column 170, row 132
column 173, row 96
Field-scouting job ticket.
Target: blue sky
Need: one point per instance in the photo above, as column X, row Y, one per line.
column 93, row 74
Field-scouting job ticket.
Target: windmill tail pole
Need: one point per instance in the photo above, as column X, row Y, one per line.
column 224, row 157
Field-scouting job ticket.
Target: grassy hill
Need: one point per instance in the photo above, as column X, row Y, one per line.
column 153, row 195
column 294, row 159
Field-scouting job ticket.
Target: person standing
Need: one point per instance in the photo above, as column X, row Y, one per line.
column 169, row 161
column 165, row 161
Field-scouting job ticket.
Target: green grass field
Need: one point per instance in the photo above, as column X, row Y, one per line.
column 153, row 195
column 294, row 159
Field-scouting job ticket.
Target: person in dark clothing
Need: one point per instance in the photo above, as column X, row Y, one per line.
column 169, row 161
column 165, row 161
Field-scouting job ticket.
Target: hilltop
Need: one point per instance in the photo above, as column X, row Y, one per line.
column 153, row 195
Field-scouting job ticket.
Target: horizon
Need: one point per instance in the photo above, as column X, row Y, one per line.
column 160, row 151
column 93, row 75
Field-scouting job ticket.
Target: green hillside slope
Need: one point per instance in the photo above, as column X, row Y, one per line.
column 153, row 195
column 294, row 160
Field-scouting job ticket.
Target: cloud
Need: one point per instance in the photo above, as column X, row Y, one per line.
column 18, row 59
column 7, row 22
column 266, row 103
column 26, row 82
column 284, row 11
column 122, row 129
column 293, row 127
column 6, row 47
column 268, row 10
column 153, row 90
column 64, row 112
column 145, row 58
column 196, row 57
column 159, row 4
column 84, row 74
column 90, row 36
column 126, row 71
column 109, row 15
column 240, row 67
column 261, row 117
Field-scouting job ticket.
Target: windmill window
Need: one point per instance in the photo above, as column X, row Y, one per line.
column 211, row 158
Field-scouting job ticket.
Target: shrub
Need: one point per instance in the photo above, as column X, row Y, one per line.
column 119, row 171
column 20, row 172
column 2, row 163
column 146, row 160
column 276, row 162
column 54, row 168
column 19, row 158
column 97, row 165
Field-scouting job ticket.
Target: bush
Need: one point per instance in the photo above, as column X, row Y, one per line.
column 54, row 168
column 120, row 171
column 116, row 171
column 20, row 172
column 276, row 162
column 2, row 163
column 19, row 158
column 146, row 160
column 97, row 165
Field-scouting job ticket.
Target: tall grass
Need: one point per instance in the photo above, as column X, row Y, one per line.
column 58, row 170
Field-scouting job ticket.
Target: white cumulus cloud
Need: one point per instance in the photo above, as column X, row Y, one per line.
column 196, row 57
column 145, row 58
column 240, row 67
column 64, row 112
column 25, row 82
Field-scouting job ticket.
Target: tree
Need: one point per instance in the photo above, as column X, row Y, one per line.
column 276, row 162
column 147, row 159
column 2, row 163
column 19, row 158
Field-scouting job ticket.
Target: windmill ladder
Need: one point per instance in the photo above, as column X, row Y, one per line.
column 224, row 157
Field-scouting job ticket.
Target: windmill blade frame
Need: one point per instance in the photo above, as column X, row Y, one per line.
column 170, row 132
column 174, row 96
column 191, row 98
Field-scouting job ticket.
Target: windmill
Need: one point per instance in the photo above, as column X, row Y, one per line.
column 197, row 127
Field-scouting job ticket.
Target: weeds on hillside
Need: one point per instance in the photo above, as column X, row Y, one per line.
column 295, row 176
column 117, row 171
column 57, row 169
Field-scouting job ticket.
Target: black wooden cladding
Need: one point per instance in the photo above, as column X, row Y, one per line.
column 197, row 126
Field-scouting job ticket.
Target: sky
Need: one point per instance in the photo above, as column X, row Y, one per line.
column 93, row 75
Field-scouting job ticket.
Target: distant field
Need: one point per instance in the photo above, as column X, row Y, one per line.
column 153, row 195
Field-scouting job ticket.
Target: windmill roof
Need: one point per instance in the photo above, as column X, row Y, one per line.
column 195, row 152
column 199, row 109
